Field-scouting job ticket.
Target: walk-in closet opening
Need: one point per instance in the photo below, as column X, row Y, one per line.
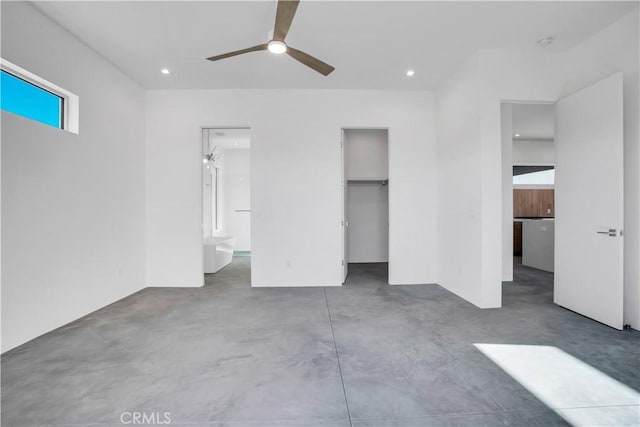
column 226, row 198
column 365, row 160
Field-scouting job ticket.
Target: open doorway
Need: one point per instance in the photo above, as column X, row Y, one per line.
column 366, row 203
column 533, row 167
column 581, row 245
column 226, row 197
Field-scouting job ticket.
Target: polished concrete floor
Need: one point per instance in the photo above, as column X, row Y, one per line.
column 365, row 354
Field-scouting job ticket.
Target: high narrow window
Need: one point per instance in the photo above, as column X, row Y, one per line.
column 28, row 95
column 21, row 97
column 545, row 177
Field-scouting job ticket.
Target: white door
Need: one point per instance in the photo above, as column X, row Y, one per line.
column 589, row 202
column 345, row 223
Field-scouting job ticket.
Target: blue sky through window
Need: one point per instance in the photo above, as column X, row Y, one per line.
column 20, row 97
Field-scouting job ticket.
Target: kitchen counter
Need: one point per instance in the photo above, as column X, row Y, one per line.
column 538, row 243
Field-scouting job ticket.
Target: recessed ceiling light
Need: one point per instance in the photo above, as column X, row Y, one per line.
column 545, row 41
column 516, row 135
column 277, row 47
column 410, row 73
column 165, row 71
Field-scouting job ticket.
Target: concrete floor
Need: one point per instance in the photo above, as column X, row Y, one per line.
column 365, row 354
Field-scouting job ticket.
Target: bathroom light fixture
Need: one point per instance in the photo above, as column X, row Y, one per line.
column 165, row 71
column 545, row 41
column 410, row 73
column 212, row 158
column 277, row 47
column 516, row 135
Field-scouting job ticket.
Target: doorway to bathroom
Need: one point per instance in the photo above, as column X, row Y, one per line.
column 226, row 202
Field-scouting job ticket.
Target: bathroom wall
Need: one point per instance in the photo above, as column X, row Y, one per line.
column 236, row 179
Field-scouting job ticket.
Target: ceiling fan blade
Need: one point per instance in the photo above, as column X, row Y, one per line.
column 311, row 62
column 284, row 15
column 239, row 52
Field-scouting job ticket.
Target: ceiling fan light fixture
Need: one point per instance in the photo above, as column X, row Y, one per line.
column 410, row 73
column 285, row 11
column 277, row 47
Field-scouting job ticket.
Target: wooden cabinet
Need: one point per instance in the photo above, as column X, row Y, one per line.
column 517, row 238
column 534, row 203
column 523, row 203
column 545, row 203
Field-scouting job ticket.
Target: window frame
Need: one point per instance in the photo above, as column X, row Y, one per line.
column 551, row 184
column 70, row 102
column 61, row 100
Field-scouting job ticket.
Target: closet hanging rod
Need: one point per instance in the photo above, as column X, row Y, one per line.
column 368, row 181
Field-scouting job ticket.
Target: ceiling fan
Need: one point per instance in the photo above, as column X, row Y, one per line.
column 284, row 15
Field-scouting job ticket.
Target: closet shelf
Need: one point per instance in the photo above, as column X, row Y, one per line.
column 368, row 181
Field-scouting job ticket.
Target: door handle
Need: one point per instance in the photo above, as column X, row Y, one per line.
column 611, row 232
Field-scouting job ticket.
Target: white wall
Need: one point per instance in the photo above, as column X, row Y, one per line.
column 506, row 136
column 533, row 152
column 524, row 76
column 237, row 196
column 367, row 153
column 72, row 205
column 460, row 164
column 506, row 76
column 295, row 181
column 368, row 216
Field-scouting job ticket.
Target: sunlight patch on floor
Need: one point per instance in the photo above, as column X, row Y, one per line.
column 581, row 394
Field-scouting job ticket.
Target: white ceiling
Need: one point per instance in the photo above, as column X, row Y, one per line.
column 371, row 43
column 533, row 121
